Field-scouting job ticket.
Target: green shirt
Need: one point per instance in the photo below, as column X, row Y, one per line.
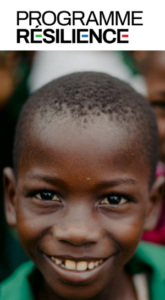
column 148, row 258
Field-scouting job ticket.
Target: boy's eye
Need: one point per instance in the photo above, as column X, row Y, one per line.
column 114, row 200
column 47, row 196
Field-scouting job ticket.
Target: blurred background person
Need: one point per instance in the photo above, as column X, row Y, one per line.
column 151, row 64
column 14, row 71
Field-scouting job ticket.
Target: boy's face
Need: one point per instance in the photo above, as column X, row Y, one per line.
column 81, row 201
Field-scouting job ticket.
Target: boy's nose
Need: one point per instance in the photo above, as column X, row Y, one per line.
column 77, row 234
column 77, row 227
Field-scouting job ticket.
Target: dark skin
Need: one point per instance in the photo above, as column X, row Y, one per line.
column 155, row 78
column 152, row 66
column 98, row 182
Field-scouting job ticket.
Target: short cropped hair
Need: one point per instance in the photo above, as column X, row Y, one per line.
column 87, row 94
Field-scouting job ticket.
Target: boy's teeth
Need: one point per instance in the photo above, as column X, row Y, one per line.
column 70, row 264
column 77, row 266
column 91, row 265
column 96, row 263
column 58, row 261
column 82, row 266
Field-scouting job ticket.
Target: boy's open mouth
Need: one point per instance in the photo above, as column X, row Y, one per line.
column 76, row 265
column 78, row 271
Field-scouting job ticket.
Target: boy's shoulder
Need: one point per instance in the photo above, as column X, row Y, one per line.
column 148, row 258
column 149, row 255
column 17, row 286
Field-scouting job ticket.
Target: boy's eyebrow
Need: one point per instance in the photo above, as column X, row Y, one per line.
column 47, row 178
column 119, row 181
column 110, row 183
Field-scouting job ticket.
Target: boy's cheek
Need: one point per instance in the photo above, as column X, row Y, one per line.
column 29, row 232
column 128, row 235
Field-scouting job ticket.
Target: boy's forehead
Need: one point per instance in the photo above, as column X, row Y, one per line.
column 68, row 142
column 87, row 133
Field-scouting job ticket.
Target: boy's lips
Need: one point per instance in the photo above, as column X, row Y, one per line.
column 77, row 271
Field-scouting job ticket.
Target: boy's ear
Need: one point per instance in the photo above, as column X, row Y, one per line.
column 9, row 195
column 155, row 203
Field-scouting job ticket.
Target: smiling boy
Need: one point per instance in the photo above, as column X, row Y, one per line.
column 83, row 191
